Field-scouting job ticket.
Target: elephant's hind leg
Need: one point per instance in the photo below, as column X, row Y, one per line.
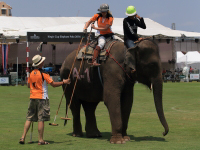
column 91, row 125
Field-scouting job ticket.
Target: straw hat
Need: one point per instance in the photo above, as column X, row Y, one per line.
column 37, row 60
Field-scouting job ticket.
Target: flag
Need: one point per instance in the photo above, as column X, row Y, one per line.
column 5, row 48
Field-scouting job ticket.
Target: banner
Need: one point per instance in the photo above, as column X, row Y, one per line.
column 58, row 36
column 4, row 80
column 194, row 76
column 5, row 49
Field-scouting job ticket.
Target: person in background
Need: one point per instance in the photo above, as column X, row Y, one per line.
column 191, row 69
column 164, row 71
column 39, row 108
column 104, row 21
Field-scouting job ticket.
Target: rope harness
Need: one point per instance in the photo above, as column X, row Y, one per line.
column 111, row 56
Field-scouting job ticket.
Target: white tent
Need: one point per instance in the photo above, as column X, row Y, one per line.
column 179, row 54
column 12, row 28
column 191, row 58
column 18, row 26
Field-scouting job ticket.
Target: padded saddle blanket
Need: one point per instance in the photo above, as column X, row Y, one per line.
column 87, row 51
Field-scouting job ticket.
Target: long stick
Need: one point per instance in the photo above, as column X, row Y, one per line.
column 66, row 84
column 78, row 74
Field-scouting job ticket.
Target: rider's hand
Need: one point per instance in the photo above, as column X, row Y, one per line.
column 92, row 26
column 137, row 16
column 84, row 31
column 140, row 39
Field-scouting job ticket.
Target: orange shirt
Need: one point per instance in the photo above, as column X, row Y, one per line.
column 38, row 87
column 103, row 24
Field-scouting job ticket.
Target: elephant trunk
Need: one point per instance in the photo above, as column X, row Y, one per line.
column 157, row 92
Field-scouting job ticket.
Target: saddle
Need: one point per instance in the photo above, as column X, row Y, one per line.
column 87, row 50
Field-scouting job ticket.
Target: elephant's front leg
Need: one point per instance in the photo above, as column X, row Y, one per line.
column 75, row 109
column 112, row 101
column 91, row 125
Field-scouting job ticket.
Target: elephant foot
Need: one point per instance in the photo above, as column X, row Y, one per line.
column 93, row 134
column 126, row 138
column 117, row 139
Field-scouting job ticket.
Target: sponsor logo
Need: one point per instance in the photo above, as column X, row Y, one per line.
column 35, row 37
column 3, row 80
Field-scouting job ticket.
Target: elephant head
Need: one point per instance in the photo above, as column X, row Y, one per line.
column 147, row 62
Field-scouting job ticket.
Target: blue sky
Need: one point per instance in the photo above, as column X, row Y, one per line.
column 184, row 13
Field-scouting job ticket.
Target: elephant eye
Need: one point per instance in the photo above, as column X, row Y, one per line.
column 153, row 66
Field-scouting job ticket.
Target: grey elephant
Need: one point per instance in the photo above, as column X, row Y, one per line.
column 117, row 89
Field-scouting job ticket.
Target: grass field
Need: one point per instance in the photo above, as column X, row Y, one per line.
column 181, row 107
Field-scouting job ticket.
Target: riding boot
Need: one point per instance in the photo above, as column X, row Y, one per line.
column 95, row 55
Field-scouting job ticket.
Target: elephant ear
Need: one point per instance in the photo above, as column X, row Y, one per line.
column 130, row 57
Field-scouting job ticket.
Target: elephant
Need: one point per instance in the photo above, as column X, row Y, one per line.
column 116, row 88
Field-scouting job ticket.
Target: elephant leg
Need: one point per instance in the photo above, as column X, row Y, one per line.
column 126, row 106
column 112, row 101
column 75, row 109
column 91, row 125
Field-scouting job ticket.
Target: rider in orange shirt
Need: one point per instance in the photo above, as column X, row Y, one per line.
column 104, row 21
column 39, row 109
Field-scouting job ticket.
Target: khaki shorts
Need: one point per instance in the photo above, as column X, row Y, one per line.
column 38, row 110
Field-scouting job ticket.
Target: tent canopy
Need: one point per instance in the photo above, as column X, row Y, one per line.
column 179, row 54
column 189, row 58
column 16, row 27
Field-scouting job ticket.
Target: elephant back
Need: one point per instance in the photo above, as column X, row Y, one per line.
column 87, row 50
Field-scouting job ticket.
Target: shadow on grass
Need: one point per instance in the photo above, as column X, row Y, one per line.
column 107, row 135
column 50, row 142
column 147, row 138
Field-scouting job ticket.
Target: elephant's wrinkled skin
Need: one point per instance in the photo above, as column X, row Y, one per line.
column 117, row 90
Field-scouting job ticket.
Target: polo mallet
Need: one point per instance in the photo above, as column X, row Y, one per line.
column 30, row 142
column 64, row 118
column 76, row 80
